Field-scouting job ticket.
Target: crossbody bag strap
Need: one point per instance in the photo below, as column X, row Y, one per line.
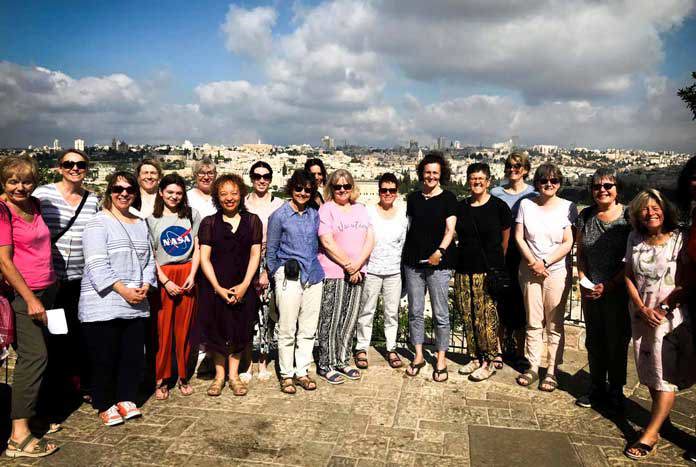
column 72, row 220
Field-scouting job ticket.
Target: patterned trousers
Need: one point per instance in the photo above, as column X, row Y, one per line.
column 479, row 314
column 340, row 306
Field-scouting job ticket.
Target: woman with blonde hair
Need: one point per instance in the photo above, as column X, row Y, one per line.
column 347, row 239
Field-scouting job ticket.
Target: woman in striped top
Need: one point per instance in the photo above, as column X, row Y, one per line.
column 66, row 206
column 113, row 309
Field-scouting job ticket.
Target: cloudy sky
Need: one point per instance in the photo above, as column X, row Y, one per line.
column 569, row 72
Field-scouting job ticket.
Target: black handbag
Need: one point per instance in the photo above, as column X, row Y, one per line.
column 497, row 281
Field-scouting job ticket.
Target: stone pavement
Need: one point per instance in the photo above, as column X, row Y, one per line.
column 386, row 418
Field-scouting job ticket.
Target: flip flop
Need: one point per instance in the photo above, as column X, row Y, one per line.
column 415, row 369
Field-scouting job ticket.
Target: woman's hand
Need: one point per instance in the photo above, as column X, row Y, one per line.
column 172, row 289
column 132, row 296
column 263, row 280
column 36, row 310
column 350, row 268
column 227, row 295
column 355, row 278
column 435, row 258
column 652, row 316
column 189, row 282
column 239, row 291
column 594, row 293
column 538, row 268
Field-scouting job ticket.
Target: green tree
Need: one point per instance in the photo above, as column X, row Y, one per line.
column 688, row 95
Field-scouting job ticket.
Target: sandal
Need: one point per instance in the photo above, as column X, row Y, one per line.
column 644, row 450
column 482, row 374
column 162, row 392
column 498, row 363
column 348, row 372
column 238, row 387
column 40, row 449
column 527, row 378
column 470, row 367
column 361, row 362
column 307, row 383
column 548, row 384
column 394, row 360
column 185, row 388
column 287, row 386
column 331, row 377
column 215, row 388
column 54, row 428
column 414, row 368
column 442, row 371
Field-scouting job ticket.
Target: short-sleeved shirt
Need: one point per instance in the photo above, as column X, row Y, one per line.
column 513, row 200
column 427, row 223
column 390, row 235
column 203, row 204
column 32, row 246
column 603, row 243
column 68, row 260
column 491, row 219
column 349, row 229
column 173, row 237
column 543, row 229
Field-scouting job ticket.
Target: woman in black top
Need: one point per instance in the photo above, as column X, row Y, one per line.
column 316, row 167
column 428, row 258
column 483, row 231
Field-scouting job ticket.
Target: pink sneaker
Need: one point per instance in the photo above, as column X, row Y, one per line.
column 128, row 410
column 111, row 417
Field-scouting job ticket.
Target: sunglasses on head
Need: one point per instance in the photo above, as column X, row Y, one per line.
column 606, row 186
column 300, row 189
column 552, row 181
column 345, row 186
column 266, row 177
column 68, row 165
column 384, row 191
column 118, row 189
column 513, row 166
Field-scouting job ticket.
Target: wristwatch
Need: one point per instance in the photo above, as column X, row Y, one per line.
column 546, row 265
column 442, row 251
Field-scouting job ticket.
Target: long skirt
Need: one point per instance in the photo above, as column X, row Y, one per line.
column 479, row 315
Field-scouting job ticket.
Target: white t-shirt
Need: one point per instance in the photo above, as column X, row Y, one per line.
column 147, row 206
column 204, row 205
column 543, row 229
column 390, row 235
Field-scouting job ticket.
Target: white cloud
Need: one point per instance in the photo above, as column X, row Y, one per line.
column 249, row 32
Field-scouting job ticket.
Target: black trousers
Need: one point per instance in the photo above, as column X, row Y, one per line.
column 608, row 331
column 117, row 359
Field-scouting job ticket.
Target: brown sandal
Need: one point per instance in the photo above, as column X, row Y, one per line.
column 215, row 388
column 394, row 360
column 287, row 386
column 307, row 383
column 238, row 387
column 360, row 359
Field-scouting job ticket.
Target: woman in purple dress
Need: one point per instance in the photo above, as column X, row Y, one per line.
column 230, row 251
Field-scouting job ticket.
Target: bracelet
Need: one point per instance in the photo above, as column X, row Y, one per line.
column 167, row 282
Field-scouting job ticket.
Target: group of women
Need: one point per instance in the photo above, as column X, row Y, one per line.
column 218, row 271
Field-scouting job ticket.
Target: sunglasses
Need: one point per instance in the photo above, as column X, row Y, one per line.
column 68, row 165
column 300, row 189
column 345, row 186
column 256, row 177
column 206, row 174
column 606, row 186
column 513, row 166
column 118, row 189
column 384, row 191
column 552, row 181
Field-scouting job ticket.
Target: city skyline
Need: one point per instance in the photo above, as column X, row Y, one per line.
column 371, row 72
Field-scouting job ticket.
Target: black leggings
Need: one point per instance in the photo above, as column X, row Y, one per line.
column 117, row 359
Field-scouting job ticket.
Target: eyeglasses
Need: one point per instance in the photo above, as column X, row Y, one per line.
column 384, row 191
column 345, row 186
column 68, row 165
column 512, row 166
column 206, row 174
column 300, row 189
column 118, row 189
column 606, row 186
column 552, row 181
column 268, row 177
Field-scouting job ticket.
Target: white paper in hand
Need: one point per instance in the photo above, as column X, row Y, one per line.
column 56, row 321
column 586, row 283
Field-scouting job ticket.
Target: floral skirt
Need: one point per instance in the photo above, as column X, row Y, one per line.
column 479, row 315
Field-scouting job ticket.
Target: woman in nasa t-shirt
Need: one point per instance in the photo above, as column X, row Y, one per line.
column 173, row 228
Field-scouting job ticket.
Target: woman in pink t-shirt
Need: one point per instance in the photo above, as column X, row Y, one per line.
column 346, row 238
column 25, row 264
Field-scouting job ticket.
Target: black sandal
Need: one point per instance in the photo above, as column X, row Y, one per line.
column 415, row 369
column 498, row 362
column 644, row 450
column 442, row 371
column 527, row 378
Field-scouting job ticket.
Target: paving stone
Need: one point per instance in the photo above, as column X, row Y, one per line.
column 591, row 456
column 543, row 449
column 336, row 461
column 487, row 403
column 308, row 453
column 426, row 460
column 368, row 447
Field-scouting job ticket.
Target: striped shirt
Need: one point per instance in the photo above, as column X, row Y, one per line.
column 114, row 251
column 68, row 260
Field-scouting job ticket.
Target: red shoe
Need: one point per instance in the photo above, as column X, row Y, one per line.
column 111, row 417
column 128, row 410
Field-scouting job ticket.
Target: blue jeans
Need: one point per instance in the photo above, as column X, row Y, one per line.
column 437, row 283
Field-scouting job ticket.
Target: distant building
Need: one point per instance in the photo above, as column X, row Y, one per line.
column 545, row 149
column 114, row 144
column 122, row 146
column 328, row 142
column 413, row 146
column 457, row 144
column 441, row 143
column 56, row 145
column 79, row 144
column 187, row 146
